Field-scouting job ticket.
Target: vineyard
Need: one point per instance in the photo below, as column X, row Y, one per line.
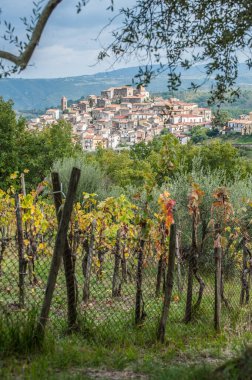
column 114, row 265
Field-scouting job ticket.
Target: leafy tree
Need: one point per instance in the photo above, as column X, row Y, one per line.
column 198, row 134
column 11, row 138
column 40, row 149
column 165, row 157
column 22, row 149
column 216, row 155
column 213, row 132
column 140, row 150
column 179, row 34
column 92, row 179
column 121, row 168
column 220, row 119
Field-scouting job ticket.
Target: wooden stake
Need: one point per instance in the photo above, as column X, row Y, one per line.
column 67, row 258
column 218, row 254
column 86, row 287
column 21, row 260
column 168, row 285
column 58, row 252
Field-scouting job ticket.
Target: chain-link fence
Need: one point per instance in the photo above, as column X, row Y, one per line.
column 110, row 306
column 119, row 277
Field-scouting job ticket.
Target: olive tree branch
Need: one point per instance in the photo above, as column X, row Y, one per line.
column 21, row 61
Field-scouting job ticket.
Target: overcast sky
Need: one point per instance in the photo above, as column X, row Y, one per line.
column 68, row 46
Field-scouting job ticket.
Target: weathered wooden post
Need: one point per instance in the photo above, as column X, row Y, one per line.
column 168, row 284
column 218, row 257
column 90, row 253
column 67, row 258
column 139, row 309
column 179, row 282
column 246, row 261
column 58, row 252
column 161, row 261
column 116, row 283
column 21, row 259
column 188, row 311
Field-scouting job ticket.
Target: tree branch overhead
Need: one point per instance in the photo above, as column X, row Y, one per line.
column 21, row 61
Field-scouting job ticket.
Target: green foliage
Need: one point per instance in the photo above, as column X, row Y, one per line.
column 92, row 180
column 238, row 368
column 140, row 151
column 214, row 132
column 122, row 169
column 16, row 334
column 40, row 149
column 198, row 134
column 163, row 32
column 34, row 150
column 221, row 118
column 11, row 138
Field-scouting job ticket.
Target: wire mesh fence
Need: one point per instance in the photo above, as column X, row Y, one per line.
column 118, row 277
column 104, row 311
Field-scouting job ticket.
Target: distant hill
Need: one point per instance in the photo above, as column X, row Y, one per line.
column 36, row 94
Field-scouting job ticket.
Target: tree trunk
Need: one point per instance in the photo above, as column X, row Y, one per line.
column 116, row 283
column 217, row 307
column 218, row 277
column 191, row 265
column 4, row 242
column 86, row 287
column 193, row 271
column 139, row 308
column 101, row 253
column 244, row 297
column 159, row 274
column 85, row 250
column 179, row 280
column 59, row 249
column 169, row 284
column 161, row 262
column 124, row 266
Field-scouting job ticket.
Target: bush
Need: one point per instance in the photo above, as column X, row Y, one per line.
column 92, row 180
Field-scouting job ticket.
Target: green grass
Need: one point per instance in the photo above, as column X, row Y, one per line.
column 107, row 339
column 192, row 355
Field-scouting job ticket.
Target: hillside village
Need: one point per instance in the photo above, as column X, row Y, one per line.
column 123, row 116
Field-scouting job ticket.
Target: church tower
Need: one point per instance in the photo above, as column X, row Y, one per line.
column 63, row 103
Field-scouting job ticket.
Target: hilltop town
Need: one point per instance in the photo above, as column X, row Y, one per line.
column 124, row 116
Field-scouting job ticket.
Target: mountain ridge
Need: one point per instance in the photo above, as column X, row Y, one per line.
column 42, row 93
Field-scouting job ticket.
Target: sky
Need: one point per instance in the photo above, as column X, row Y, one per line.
column 69, row 45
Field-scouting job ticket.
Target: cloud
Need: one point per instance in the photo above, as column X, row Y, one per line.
column 68, row 46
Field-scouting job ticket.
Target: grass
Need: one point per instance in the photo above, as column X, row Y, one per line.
column 191, row 351
column 108, row 340
column 192, row 355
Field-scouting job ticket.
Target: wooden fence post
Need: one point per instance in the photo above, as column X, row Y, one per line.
column 67, row 258
column 168, row 284
column 189, row 296
column 161, row 262
column 86, row 287
column 21, row 259
column 116, row 283
column 139, row 307
column 179, row 281
column 218, row 255
column 245, row 285
column 58, row 252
